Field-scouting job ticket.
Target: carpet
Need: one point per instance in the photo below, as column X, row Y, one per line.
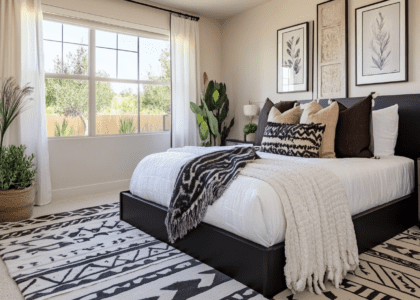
column 390, row 271
column 90, row 253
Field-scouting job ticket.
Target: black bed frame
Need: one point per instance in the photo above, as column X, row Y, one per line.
column 261, row 268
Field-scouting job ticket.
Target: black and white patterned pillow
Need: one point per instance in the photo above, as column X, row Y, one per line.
column 302, row 140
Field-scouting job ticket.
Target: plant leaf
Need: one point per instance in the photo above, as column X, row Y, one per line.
column 204, row 131
column 216, row 95
column 297, row 41
column 214, row 125
column 196, row 109
column 208, row 99
column 220, row 102
column 199, row 119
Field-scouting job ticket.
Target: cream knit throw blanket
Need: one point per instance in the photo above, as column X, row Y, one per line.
column 320, row 239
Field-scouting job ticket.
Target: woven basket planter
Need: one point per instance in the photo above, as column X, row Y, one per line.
column 16, row 205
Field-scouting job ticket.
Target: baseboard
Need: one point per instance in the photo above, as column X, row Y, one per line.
column 91, row 189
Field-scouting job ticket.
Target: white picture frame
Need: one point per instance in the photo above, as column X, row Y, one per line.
column 382, row 43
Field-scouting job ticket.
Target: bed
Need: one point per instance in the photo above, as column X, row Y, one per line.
column 246, row 241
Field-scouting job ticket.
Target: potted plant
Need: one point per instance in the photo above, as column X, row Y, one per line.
column 212, row 113
column 249, row 132
column 17, row 172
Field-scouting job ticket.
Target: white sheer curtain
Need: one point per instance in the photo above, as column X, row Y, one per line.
column 21, row 55
column 185, row 64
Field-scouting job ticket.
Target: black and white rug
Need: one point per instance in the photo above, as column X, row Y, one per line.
column 91, row 254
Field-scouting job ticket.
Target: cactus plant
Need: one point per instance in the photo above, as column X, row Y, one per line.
column 212, row 113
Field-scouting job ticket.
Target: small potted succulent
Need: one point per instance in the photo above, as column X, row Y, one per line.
column 249, row 132
column 17, row 172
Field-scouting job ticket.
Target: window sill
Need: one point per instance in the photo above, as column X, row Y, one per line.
column 108, row 136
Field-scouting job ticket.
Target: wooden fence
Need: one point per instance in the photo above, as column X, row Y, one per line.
column 110, row 124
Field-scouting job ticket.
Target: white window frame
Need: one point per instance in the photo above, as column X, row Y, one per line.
column 92, row 79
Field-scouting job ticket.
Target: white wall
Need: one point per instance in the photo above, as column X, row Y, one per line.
column 250, row 46
column 97, row 164
column 211, row 48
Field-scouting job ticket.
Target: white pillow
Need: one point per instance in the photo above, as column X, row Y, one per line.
column 385, row 130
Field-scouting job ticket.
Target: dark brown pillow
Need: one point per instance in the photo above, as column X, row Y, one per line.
column 352, row 137
column 282, row 106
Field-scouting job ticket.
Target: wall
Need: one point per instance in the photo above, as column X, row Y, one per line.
column 250, row 46
column 97, row 164
column 211, row 48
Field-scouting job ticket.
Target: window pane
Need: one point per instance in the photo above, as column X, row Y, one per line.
column 52, row 57
column 52, row 31
column 67, row 107
column 154, row 60
column 155, row 104
column 106, row 39
column 106, row 63
column 127, row 65
column 75, row 34
column 127, row 42
column 116, row 108
column 75, row 59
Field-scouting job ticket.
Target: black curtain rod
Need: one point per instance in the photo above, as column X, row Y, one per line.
column 194, row 18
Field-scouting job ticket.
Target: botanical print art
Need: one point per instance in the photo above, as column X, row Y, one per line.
column 381, row 40
column 292, row 59
column 293, row 56
column 332, row 53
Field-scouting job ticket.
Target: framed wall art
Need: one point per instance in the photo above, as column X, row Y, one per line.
column 293, row 59
column 332, row 36
column 381, row 42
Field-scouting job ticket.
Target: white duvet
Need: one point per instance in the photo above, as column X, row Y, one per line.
column 250, row 208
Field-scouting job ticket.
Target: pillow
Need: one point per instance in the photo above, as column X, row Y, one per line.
column 282, row 106
column 384, row 131
column 302, row 140
column 314, row 113
column 352, row 136
column 290, row 116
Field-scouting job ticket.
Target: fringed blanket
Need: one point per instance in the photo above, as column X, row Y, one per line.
column 320, row 240
column 199, row 184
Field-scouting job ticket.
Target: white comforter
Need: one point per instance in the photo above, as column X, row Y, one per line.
column 250, row 208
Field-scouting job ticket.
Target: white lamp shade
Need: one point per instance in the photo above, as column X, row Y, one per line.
column 251, row 110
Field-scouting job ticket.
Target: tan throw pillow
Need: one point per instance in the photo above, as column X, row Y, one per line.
column 314, row 113
column 290, row 116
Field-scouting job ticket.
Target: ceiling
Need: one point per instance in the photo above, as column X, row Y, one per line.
column 215, row 9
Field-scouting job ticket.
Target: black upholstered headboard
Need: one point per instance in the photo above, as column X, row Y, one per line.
column 408, row 143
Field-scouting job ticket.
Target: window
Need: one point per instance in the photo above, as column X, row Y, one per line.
column 104, row 83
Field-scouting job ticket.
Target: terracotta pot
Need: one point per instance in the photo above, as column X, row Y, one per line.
column 250, row 137
column 16, row 205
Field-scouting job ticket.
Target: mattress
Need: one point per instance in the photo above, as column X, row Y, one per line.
column 250, row 208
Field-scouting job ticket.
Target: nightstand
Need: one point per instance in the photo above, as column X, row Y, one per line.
column 232, row 142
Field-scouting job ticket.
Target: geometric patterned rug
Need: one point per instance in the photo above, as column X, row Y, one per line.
column 90, row 253
column 390, row 271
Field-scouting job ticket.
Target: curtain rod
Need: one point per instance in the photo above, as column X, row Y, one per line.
column 194, row 18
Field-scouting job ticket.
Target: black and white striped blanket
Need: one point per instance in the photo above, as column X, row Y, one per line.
column 199, row 184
